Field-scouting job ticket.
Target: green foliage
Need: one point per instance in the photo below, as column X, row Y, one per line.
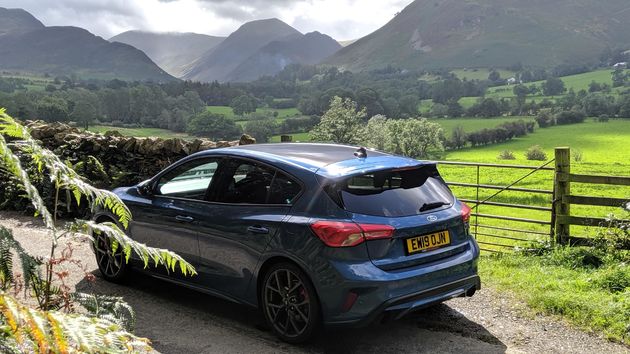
column 214, row 126
column 29, row 264
column 23, row 329
column 535, row 153
column 26, row 329
column 506, row 155
column 111, row 308
column 341, row 124
column 261, row 130
column 243, row 104
column 553, row 87
column 417, row 138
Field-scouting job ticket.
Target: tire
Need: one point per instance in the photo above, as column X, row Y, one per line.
column 112, row 265
column 289, row 303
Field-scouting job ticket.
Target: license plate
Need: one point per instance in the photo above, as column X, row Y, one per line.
column 427, row 242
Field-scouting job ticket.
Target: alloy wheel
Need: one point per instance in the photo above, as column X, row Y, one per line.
column 287, row 303
column 110, row 263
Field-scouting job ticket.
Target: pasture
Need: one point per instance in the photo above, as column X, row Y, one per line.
column 601, row 147
column 140, row 132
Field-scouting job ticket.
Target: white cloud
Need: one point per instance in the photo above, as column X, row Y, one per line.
column 342, row 19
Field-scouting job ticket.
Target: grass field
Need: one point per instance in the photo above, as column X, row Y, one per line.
column 576, row 82
column 282, row 113
column 297, row 138
column 140, row 132
column 473, row 124
column 480, row 74
column 604, row 151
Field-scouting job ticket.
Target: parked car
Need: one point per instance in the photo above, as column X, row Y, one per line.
column 312, row 234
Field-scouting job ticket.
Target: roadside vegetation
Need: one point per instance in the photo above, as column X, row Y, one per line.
column 589, row 286
column 39, row 312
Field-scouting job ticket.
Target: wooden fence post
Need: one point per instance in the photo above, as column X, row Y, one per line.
column 562, row 188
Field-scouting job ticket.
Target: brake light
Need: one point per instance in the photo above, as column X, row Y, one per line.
column 465, row 212
column 348, row 234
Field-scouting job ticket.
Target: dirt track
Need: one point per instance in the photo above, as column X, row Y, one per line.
column 179, row 320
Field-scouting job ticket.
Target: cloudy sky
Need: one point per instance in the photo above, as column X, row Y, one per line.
column 341, row 19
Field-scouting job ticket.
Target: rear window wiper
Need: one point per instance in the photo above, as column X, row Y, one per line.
column 433, row 205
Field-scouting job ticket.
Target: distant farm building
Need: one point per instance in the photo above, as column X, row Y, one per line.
column 621, row 65
column 511, row 81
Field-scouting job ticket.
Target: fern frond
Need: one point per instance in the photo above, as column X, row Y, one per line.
column 111, row 308
column 159, row 256
column 30, row 330
column 62, row 175
column 12, row 164
column 30, row 265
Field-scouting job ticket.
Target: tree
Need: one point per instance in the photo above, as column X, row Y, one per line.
column 213, row 126
column 375, row 134
column 458, row 137
column 341, row 123
column 370, row 99
column 84, row 113
column 243, row 104
column 260, row 129
column 408, row 105
column 52, row 109
column 494, row 76
column 417, row 138
column 553, row 87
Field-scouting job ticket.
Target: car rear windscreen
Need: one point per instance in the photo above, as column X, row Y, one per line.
column 395, row 192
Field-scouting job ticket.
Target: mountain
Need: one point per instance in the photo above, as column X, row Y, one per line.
column 431, row 34
column 171, row 51
column 17, row 21
column 29, row 46
column 310, row 48
column 218, row 62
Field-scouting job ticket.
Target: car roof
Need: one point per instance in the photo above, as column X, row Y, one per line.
column 328, row 160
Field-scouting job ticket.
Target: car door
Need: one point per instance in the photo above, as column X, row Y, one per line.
column 168, row 217
column 250, row 202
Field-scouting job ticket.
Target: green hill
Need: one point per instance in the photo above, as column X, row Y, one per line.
column 431, row 34
column 26, row 45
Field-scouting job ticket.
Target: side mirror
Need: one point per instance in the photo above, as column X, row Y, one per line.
column 144, row 188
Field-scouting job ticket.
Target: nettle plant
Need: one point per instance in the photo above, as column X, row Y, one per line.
column 54, row 323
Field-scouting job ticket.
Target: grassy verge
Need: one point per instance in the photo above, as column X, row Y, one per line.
column 592, row 298
column 141, row 132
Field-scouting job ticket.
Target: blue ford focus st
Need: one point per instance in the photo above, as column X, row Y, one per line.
column 312, row 234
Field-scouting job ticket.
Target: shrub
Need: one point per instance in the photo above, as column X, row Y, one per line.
column 506, row 155
column 603, row 118
column 536, row 153
column 570, row 117
column 544, row 119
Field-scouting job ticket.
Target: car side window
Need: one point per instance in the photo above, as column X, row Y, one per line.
column 283, row 189
column 189, row 180
column 252, row 183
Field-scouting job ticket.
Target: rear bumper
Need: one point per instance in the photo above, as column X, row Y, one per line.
column 395, row 309
column 389, row 295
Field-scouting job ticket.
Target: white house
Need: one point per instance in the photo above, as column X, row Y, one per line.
column 621, row 65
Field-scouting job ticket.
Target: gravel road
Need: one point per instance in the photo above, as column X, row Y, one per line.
column 178, row 320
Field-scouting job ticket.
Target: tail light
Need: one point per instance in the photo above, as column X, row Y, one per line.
column 348, row 234
column 465, row 212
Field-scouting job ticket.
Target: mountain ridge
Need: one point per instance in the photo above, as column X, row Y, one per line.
column 491, row 33
column 27, row 45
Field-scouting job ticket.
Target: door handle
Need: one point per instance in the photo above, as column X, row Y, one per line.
column 258, row 230
column 183, row 218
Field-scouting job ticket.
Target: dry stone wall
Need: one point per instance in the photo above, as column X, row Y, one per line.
column 126, row 160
